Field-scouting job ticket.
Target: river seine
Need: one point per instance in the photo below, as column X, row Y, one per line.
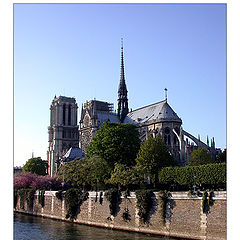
column 28, row 227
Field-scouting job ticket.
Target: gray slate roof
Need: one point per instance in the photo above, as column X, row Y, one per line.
column 105, row 116
column 160, row 111
column 72, row 154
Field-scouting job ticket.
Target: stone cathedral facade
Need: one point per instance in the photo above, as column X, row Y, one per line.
column 154, row 119
column 63, row 130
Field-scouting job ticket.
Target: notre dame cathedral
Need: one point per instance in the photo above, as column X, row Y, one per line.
column 68, row 140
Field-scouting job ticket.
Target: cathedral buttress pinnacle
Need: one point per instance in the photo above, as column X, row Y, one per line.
column 122, row 91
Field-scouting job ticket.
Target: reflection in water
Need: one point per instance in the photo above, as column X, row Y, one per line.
column 30, row 228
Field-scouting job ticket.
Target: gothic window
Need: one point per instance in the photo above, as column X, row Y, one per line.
column 64, row 108
column 167, row 130
column 169, row 140
column 69, row 114
column 165, row 139
column 63, row 134
column 175, row 139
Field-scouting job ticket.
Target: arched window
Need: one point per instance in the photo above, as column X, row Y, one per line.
column 165, row 139
column 169, row 140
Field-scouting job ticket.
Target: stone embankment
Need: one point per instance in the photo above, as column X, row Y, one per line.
column 184, row 215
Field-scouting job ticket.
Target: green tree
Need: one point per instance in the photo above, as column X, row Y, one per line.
column 152, row 156
column 99, row 170
column 74, row 172
column 82, row 172
column 200, row 156
column 36, row 165
column 124, row 176
column 222, row 157
column 115, row 142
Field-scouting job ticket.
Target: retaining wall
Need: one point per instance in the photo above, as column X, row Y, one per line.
column 184, row 215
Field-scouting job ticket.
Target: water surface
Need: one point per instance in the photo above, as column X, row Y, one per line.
column 28, row 227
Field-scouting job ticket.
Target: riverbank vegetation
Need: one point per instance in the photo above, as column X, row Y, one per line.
column 116, row 162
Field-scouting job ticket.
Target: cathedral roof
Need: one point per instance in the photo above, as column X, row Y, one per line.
column 72, row 154
column 105, row 116
column 160, row 111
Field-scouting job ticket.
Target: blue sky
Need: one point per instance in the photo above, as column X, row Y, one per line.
column 74, row 50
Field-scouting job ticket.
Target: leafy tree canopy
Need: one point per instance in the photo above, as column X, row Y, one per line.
column 74, row 172
column 115, row 142
column 81, row 172
column 222, row 157
column 152, row 156
column 200, row 156
column 35, row 165
column 124, row 176
column 99, row 170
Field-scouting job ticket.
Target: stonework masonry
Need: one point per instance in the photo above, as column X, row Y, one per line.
column 63, row 130
column 184, row 215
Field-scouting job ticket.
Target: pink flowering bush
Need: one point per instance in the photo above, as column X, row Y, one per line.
column 24, row 180
column 32, row 180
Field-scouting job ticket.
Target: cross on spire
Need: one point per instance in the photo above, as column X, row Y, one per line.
column 165, row 89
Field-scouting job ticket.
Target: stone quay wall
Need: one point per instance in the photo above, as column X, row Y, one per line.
column 184, row 215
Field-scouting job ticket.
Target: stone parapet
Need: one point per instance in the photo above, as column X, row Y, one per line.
column 184, row 215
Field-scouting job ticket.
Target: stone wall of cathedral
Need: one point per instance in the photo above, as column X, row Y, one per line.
column 63, row 130
column 85, row 137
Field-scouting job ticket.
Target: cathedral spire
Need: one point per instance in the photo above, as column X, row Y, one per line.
column 122, row 76
column 122, row 90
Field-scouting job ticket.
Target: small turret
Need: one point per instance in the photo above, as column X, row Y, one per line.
column 213, row 143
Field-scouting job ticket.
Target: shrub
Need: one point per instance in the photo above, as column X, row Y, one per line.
column 74, row 198
column 205, row 202
column 59, row 195
column 212, row 174
column 126, row 216
column 21, row 194
column 96, row 196
column 162, row 203
column 101, row 198
column 24, row 180
column 41, row 197
column 28, row 195
column 15, row 198
column 210, row 198
column 34, row 181
column 144, row 203
column 113, row 196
